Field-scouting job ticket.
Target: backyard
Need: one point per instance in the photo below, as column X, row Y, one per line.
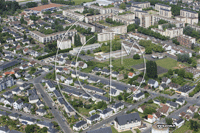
column 115, row 131
column 127, row 63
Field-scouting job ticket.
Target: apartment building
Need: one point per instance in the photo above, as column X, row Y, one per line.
column 126, row 19
column 187, row 1
column 85, row 26
column 122, row 29
column 77, row 9
column 94, row 18
column 140, row 4
column 51, row 37
column 64, row 43
column 171, row 32
column 73, row 15
column 165, row 12
column 103, row 10
column 146, row 20
column 135, row 8
column 187, row 16
column 6, row 82
column 162, row 6
column 186, row 41
column 101, row 37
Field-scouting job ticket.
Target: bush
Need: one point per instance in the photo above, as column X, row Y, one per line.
column 136, row 57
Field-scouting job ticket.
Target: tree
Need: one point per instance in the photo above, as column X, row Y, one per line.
column 148, row 50
column 82, row 52
column 88, row 52
column 136, row 57
column 122, row 6
column 168, row 121
column 170, row 72
column 151, row 69
column 119, row 97
column 44, row 2
column 181, row 73
column 30, row 128
column 31, row 4
column 77, row 40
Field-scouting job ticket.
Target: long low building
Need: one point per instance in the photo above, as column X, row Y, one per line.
column 50, row 37
column 94, row 18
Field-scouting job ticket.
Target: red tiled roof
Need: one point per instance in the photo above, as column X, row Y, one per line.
column 150, row 116
column 130, row 74
column 40, row 8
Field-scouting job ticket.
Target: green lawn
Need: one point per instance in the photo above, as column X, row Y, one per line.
column 127, row 63
column 167, row 63
column 77, row 2
column 183, row 128
column 115, row 131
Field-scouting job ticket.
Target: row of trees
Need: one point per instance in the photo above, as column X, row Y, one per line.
column 186, row 58
column 63, row 2
column 151, row 69
column 196, row 90
column 149, row 46
column 191, row 32
column 8, row 7
column 151, row 33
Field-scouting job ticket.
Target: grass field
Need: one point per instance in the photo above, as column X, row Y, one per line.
column 167, row 63
column 184, row 128
column 115, row 131
column 77, row 2
column 127, row 63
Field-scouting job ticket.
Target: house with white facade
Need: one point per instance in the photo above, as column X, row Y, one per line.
column 50, row 86
column 93, row 118
column 150, row 119
column 80, row 125
column 153, row 83
column 138, row 96
column 117, row 107
column 127, row 122
column 17, row 105
column 106, row 113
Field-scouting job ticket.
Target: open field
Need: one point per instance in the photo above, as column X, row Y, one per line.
column 127, row 63
column 167, row 63
column 77, row 2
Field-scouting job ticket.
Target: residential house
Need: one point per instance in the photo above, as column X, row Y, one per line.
column 60, row 78
column 28, row 120
column 82, row 65
column 68, row 109
column 106, row 113
column 48, row 125
column 17, row 105
column 83, row 76
column 13, row 116
column 162, row 86
column 9, row 101
column 173, row 86
column 92, row 80
column 153, row 83
column 172, row 104
column 105, row 71
column 32, row 63
column 114, row 92
column 114, row 74
column 182, row 114
column 80, row 125
column 117, row 107
column 166, row 80
column 138, row 96
column 142, row 108
column 180, row 101
column 45, row 68
column 150, row 119
column 4, row 129
column 192, row 109
column 127, row 122
column 40, row 112
column 94, row 89
column 120, row 76
column 24, row 86
column 179, row 122
column 131, row 75
column 50, row 86
column 27, row 107
column 24, row 67
column 156, row 101
column 69, row 81
column 165, row 110
column 33, row 99
column 39, row 104
column 7, row 94
column 185, row 90
column 93, row 118
column 157, row 115
column 96, row 69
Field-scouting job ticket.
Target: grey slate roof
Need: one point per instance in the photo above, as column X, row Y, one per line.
column 173, row 104
column 105, row 111
column 57, row 93
column 101, row 97
column 181, row 100
column 117, row 105
column 80, row 123
column 93, row 117
column 139, row 94
column 93, row 88
column 4, row 128
column 50, row 84
column 151, row 81
column 123, row 119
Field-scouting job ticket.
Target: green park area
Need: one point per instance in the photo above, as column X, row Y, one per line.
column 77, row 2
column 115, row 131
column 167, row 63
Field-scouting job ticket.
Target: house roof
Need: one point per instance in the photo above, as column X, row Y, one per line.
column 182, row 114
column 107, row 110
column 40, row 8
column 185, row 88
column 157, row 114
column 164, row 109
column 130, row 74
column 164, row 79
column 93, row 88
column 101, row 130
column 138, row 95
column 93, row 117
column 173, row 104
column 151, row 81
column 179, row 120
column 41, row 110
column 4, row 128
column 117, row 105
column 80, row 123
column 19, row 101
column 143, row 107
column 50, row 84
column 123, row 119
column 150, row 116
column 192, row 108
column 181, row 100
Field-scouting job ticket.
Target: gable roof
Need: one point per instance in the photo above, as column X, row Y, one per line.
column 80, row 123
column 123, row 119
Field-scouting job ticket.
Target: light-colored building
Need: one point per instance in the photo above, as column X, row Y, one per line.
column 64, row 43
column 159, row 6
column 126, row 19
column 86, row 26
column 51, row 37
column 141, row 4
column 73, row 15
column 127, row 122
column 187, row 16
column 103, row 10
column 94, row 18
